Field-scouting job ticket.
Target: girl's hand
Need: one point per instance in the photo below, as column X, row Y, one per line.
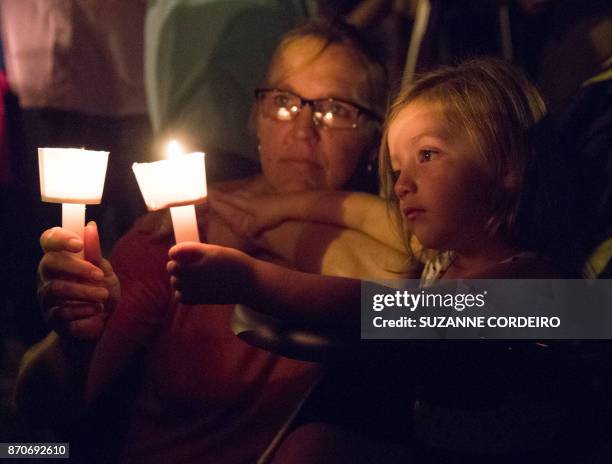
column 209, row 274
column 250, row 215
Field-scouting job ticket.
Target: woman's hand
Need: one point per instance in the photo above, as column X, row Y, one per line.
column 76, row 294
column 248, row 215
column 209, row 274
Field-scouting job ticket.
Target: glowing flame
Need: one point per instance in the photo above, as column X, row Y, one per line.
column 174, row 150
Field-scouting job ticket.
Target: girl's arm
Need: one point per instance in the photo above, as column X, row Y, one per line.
column 213, row 274
column 362, row 212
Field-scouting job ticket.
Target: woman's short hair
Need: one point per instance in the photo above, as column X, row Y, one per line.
column 336, row 32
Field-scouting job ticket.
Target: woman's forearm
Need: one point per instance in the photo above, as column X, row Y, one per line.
column 49, row 390
column 329, row 250
column 362, row 212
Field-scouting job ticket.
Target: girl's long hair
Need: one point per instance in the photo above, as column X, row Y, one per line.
column 504, row 115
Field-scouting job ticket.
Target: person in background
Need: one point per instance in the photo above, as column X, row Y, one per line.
column 78, row 77
column 203, row 58
column 567, row 46
column 75, row 76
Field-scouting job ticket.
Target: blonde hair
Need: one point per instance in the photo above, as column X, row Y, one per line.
column 497, row 107
column 336, row 32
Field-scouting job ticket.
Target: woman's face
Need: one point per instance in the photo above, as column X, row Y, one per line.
column 298, row 154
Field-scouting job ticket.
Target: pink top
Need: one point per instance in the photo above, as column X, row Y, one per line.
column 206, row 395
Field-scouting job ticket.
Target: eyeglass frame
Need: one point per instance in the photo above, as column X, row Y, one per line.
column 310, row 102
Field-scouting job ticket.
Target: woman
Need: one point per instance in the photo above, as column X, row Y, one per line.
column 199, row 393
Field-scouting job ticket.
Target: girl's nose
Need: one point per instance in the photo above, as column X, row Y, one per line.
column 404, row 184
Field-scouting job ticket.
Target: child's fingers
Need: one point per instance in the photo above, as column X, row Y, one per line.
column 187, row 252
column 183, row 291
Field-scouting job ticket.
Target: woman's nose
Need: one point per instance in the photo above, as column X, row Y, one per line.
column 304, row 125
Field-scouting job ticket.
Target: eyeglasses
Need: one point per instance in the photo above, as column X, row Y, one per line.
column 330, row 113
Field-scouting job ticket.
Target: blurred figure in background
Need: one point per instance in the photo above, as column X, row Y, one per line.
column 77, row 73
column 567, row 48
column 203, row 58
column 75, row 68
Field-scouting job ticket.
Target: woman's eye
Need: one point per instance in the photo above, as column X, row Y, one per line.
column 426, row 156
column 339, row 110
column 282, row 101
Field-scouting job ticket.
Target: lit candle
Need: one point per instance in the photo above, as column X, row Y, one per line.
column 178, row 183
column 73, row 177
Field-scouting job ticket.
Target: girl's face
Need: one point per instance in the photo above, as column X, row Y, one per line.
column 442, row 185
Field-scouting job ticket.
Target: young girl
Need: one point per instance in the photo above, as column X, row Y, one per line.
column 459, row 166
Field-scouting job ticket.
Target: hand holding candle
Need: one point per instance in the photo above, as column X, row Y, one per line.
column 73, row 177
column 178, row 183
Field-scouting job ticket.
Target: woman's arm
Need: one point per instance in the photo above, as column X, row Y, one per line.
column 76, row 296
column 51, row 381
column 336, row 251
column 362, row 212
column 331, row 233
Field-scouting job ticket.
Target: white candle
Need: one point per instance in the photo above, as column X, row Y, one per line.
column 184, row 223
column 176, row 183
column 73, row 177
column 73, row 217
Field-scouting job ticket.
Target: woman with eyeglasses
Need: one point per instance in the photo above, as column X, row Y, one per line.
column 150, row 380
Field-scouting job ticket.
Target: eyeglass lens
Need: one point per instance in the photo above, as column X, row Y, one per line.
column 285, row 106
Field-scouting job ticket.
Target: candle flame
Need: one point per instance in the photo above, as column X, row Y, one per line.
column 174, row 150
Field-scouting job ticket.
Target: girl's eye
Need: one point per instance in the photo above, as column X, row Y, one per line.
column 425, row 156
